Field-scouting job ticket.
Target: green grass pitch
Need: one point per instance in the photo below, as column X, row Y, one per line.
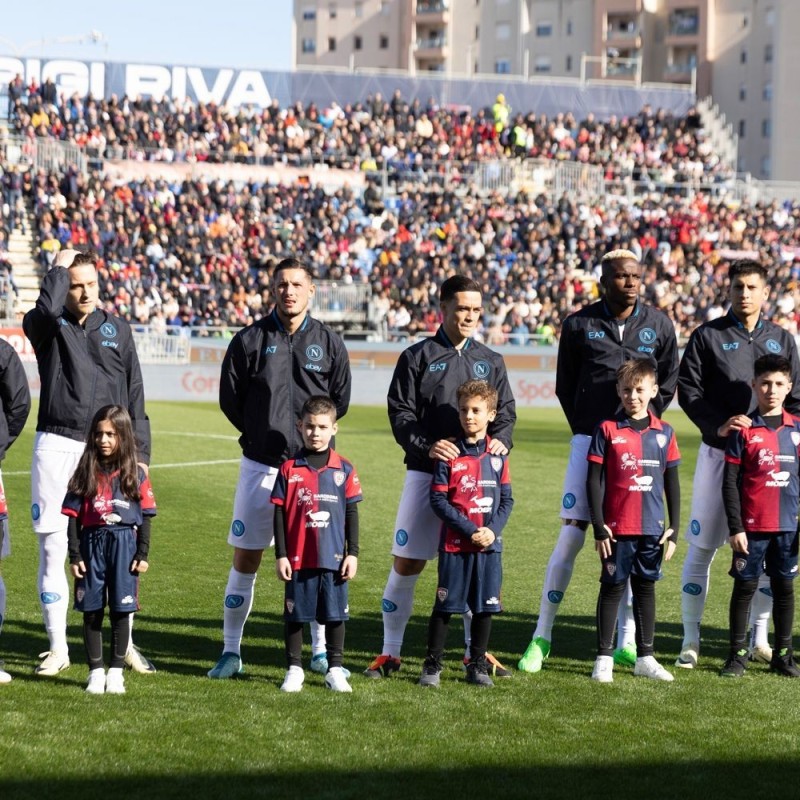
column 555, row 734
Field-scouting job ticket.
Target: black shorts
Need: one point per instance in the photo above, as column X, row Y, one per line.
column 316, row 594
column 469, row 581
column 108, row 554
column 773, row 553
column 633, row 555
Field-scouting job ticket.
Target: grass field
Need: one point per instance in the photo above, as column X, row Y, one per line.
column 555, row 734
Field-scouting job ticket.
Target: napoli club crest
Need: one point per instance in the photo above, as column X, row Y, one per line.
column 315, row 353
column 108, row 330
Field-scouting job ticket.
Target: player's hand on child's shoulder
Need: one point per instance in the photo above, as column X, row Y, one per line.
column 735, row 423
column 349, row 568
column 443, row 450
column 283, row 569
column 497, row 448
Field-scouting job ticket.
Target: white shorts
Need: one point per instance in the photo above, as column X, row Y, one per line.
column 253, row 513
column 574, row 502
column 416, row 528
column 708, row 523
column 54, row 460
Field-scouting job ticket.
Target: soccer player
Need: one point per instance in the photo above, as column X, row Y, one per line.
column 424, row 420
column 761, row 489
column 471, row 494
column 86, row 359
column 594, row 342
column 270, row 369
column 316, row 541
column 15, row 405
column 715, row 390
column 633, row 464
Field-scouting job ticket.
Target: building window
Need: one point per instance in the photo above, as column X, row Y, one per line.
column 477, row 32
column 332, row 10
column 385, row 7
column 502, row 31
column 769, row 17
column 502, row 66
column 743, row 92
column 542, row 65
column 766, row 128
column 309, row 14
column 544, row 28
column 766, row 167
column 358, row 8
column 569, row 27
column 331, row 44
column 767, row 93
column 358, row 43
column 768, row 54
column 568, row 65
column 741, row 128
column 684, row 22
column 308, row 46
column 743, row 57
column 383, row 42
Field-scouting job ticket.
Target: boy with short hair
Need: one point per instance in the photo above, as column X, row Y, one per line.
column 316, row 541
column 761, row 489
column 471, row 494
column 633, row 464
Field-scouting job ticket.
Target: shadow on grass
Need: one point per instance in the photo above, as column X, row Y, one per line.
column 651, row 780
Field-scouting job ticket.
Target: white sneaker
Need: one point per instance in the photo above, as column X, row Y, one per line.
column 603, row 671
column 96, row 684
column 293, row 680
column 115, row 683
column 648, row 667
column 336, row 681
column 690, row 653
column 4, row 677
column 138, row 662
column 761, row 653
column 53, row 663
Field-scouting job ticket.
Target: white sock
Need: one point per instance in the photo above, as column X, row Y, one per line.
column 2, row 603
column 694, row 580
column 626, row 626
column 397, row 604
column 557, row 578
column 760, row 611
column 54, row 588
column 318, row 644
column 238, row 602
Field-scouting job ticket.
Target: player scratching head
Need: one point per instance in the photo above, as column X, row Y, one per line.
column 620, row 279
column 748, row 291
column 317, row 423
column 293, row 287
column 83, row 294
column 462, row 306
column 636, row 386
column 772, row 383
column 477, row 408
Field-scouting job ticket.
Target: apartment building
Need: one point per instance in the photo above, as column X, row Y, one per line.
column 738, row 51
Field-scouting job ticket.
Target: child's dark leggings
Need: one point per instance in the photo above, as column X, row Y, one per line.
column 334, row 643
column 93, row 637
column 644, row 615
column 782, row 613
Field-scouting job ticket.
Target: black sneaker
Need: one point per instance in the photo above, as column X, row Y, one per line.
column 784, row 664
column 431, row 670
column 478, row 673
column 734, row 667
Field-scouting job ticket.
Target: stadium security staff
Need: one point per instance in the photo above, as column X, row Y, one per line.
column 715, row 390
column 270, row 369
column 423, row 413
column 86, row 359
column 595, row 342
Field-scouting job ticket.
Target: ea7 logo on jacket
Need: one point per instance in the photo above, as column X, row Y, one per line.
column 440, row 367
column 597, row 334
column 730, row 345
column 270, row 349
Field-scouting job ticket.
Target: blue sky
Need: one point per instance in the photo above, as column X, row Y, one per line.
column 245, row 33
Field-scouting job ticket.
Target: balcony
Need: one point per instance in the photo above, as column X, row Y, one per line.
column 431, row 47
column 432, row 13
column 684, row 22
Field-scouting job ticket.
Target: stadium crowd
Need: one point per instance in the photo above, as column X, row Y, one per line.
column 198, row 253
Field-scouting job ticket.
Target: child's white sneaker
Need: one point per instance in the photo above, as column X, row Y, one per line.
column 336, row 680
column 648, row 667
column 96, row 683
column 603, row 671
column 115, row 682
column 293, row 680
